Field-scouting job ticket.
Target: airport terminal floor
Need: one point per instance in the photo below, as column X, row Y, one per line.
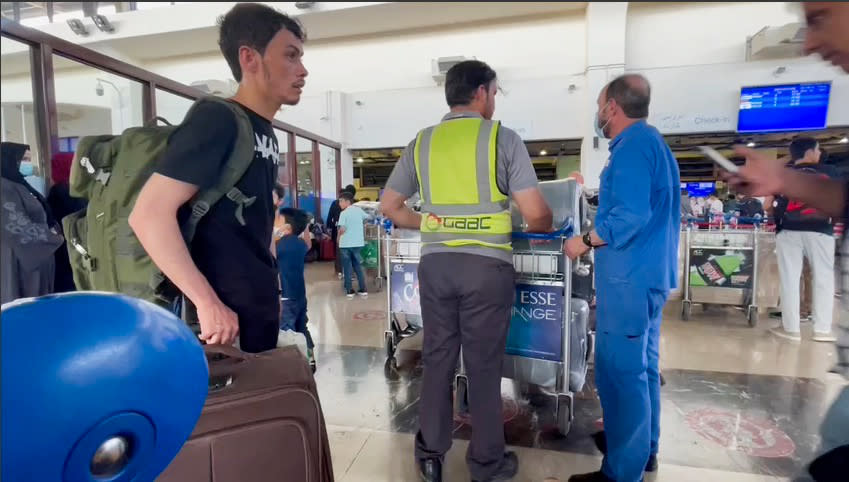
column 739, row 404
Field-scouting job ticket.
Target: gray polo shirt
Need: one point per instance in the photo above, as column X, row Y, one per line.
column 514, row 173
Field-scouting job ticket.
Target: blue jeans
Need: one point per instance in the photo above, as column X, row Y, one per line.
column 294, row 317
column 353, row 257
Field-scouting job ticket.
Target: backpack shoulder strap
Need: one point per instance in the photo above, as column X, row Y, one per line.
column 241, row 157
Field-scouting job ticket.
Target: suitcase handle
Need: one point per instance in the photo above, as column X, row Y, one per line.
column 224, row 361
column 226, row 350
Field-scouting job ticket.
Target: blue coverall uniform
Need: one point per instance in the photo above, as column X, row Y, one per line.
column 639, row 218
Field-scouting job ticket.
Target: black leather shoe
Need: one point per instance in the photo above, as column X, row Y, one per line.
column 430, row 470
column 508, row 469
column 651, row 465
column 601, row 444
column 591, row 477
column 600, row 441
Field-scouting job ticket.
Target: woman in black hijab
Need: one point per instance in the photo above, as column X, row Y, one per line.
column 29, row 232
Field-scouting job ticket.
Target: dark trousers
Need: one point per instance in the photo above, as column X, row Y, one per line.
column 337, row 258
column 466, row 300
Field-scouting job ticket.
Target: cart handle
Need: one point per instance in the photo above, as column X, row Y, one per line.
column 564, row 232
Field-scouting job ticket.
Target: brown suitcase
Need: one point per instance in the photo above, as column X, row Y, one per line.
column 262, row 421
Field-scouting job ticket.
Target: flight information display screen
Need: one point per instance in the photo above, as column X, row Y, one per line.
column 789, row 107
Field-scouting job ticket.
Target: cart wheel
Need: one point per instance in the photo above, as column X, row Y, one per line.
column 752, row 316
column 686, row 310
column 389, row 345
column 461, row 394
column 564, row 414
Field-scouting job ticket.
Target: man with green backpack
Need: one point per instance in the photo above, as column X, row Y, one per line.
column 188, row 210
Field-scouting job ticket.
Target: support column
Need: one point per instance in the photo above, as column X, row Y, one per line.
column 606, row 24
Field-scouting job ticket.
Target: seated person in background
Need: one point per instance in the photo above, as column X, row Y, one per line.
column 714, row 205
column 291, row 251
column 732, row 204
column 750, row 207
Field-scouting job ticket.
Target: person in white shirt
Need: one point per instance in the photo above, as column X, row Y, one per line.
column 714, row 205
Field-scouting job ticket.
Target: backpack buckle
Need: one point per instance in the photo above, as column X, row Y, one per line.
column 199, row 209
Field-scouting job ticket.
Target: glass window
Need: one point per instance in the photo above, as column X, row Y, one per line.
column 306, row 186
column 172, row 107
column 329, row 189
column 283, row 174
column 16, row 105
column 90, row 101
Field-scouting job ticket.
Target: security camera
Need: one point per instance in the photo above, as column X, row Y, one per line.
column 99, row 89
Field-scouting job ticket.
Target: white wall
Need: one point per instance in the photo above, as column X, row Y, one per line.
column 549, row 46
column 670, row 34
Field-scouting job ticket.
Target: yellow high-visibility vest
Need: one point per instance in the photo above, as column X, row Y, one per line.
column 461, row 203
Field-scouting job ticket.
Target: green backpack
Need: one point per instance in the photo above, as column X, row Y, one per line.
column 110, row 171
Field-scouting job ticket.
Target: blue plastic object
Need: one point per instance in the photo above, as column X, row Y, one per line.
column 565, row 231
column 96, row 387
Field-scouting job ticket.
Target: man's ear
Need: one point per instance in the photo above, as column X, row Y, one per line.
column 248, row 59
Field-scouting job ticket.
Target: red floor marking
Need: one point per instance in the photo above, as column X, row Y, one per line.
column 509, row 407
column 370, row 315
column 756, row 437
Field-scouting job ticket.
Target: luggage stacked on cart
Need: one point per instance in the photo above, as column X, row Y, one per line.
column 569, row 205
column 549, row 342
column 262, row 421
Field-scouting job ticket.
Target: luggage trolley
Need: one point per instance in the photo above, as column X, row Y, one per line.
column 402, row 251
column 371, row 252
column 548, row 342
column 721, row 267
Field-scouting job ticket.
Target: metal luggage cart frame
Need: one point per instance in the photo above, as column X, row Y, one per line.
column 397, row 253
column 543, row 264
column 710, row 295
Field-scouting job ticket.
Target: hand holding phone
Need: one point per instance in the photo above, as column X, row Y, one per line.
column 719, row 159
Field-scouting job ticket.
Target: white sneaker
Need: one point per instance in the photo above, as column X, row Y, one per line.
column 779, row 331
column 363, row 294
column 824, row 337
column 350, row 295
column 339, row 275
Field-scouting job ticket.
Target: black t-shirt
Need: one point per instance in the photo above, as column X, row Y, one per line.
column 792, row 215
column 235, row 259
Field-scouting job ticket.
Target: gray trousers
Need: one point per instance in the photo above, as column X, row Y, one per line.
column 466, row 300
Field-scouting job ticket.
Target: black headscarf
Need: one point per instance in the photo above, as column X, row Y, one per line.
column 11, row 155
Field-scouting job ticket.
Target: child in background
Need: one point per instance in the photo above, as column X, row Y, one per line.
column 291, row 250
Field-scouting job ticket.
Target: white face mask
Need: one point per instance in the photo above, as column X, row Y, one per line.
column 599, row 127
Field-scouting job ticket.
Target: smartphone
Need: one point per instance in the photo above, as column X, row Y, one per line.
column 719, row 159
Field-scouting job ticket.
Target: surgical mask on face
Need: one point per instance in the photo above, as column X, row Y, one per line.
column 599, row 126
column 27, row 169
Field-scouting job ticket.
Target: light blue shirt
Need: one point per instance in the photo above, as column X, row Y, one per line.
column 352, row 220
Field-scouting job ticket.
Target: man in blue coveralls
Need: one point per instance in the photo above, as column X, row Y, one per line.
column 636, row 233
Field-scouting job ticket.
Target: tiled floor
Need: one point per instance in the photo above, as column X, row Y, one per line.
column 739, row 404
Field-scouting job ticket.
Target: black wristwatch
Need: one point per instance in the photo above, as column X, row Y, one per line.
column 587, row 240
